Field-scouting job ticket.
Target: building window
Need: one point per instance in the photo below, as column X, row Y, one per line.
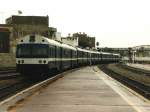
column 4, row 42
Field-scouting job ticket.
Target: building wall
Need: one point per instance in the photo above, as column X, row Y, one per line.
column 7, row 60
column 21, row 30
column 84, row 40
column 5, row 33
column 57, row 36
column 87, row 42
column 28, row 20
column 52, row 33
column 4, row 42
column 24, row 25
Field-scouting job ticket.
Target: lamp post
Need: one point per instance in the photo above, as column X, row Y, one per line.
column 97, row 44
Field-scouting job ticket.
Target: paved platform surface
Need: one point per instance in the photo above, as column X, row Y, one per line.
column 141, row 66
column 85, row 90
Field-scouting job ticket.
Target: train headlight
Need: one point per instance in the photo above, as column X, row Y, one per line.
column 40, row 61
column 18, row 61
column 22, row 61
column 44, row 61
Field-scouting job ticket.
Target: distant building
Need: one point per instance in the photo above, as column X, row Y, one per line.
column 53, row 34
column 70, row 41
column 122, row 51
column 142, row 50
column 84, row 40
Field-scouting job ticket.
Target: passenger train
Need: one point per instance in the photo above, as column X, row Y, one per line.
column 36, row 55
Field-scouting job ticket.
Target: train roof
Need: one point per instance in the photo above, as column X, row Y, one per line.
column 80, row 49
column 68, row 47
column 89, row 51
column 38, row 39
column 110, row 53
column 105, row 53
column 43, row 40
column 117, row 54
column 60, row 44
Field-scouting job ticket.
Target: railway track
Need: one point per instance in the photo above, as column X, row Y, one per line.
column 137, row 70
column 131, row 77
column 12, row 83
column 7, row 70
column 9, row 87
column 8, row 74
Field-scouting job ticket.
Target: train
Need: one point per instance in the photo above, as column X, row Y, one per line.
column 36, row 55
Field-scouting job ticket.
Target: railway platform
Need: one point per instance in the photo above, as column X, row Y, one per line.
column 85, row 90
column 140, row 66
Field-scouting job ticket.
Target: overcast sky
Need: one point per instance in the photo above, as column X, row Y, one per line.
column 114, row 23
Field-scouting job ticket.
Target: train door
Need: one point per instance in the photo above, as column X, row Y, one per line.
column 72, row 57
column 58, row 58
column 61, row 57
column 77, row 58
column 90, row 58
column 52, row 57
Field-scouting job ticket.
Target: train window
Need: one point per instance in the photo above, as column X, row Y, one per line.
column 80, row 54
column 64, row 53
column 32, row 50
column 74, row 54
column 23, row 50
column 39, row 51
column 84, row 54
column 68, row 53
column 52, row 51
column 58, row 50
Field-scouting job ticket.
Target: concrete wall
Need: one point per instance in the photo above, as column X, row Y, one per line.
column 7, row 60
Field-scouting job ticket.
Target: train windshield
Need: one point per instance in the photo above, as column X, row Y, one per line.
column 32, row 51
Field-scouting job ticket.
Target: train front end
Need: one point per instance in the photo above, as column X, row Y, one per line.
column 32, row 55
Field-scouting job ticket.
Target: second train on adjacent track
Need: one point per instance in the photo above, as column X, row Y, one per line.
column 36, row 55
